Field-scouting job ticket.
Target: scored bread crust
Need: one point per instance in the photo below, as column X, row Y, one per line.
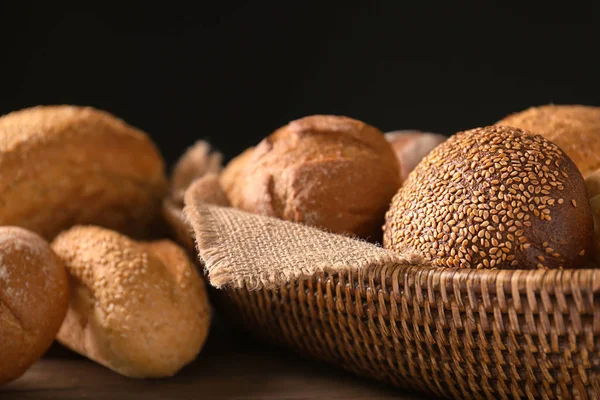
column 34, row 295
column 138, row 308
column 574, row 128
column 67, row 165
column 332, row 172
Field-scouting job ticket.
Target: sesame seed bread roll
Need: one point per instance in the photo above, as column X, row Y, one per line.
column 140, row 309
column 574, row 128
column 494, row 197
column 67, row 165
column 34, row 295
column 331, row 172
column 411, row 146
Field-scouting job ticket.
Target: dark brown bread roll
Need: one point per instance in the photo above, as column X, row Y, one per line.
column 494, row 197
column 34, row 295
column 331, row 172
column 574, row 128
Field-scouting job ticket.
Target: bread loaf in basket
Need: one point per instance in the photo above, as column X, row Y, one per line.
column 456, row 333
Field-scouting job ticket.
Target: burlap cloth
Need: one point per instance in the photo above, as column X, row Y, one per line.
column 240, row 249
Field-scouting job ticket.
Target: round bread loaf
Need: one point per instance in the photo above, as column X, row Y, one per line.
column 494, row 197
column 140, row 309
column 34, row 295
column 66, row 165
column 411, row 146
column 331, row 172
column 574, row 128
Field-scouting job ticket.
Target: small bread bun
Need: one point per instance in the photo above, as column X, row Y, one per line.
column 411, row 146
column 331, row 172
column 197, row 161
column 34, row 295
column 140, row 309
column 574, row 128
column 494, row 197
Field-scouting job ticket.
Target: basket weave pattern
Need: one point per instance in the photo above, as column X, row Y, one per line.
column 452, row 333
column 457, row 333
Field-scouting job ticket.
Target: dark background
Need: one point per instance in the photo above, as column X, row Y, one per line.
column 232, row 72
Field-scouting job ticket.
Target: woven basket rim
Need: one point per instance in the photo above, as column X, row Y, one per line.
column 508, row 278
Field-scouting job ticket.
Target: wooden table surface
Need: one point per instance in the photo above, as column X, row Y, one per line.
column 231, row 366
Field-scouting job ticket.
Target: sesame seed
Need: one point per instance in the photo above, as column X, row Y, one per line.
column 491, row 185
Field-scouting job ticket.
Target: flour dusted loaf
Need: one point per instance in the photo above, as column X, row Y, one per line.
column 34, row 295
column 574, row 128
column 494, row 197
column 65, row 165
column 331, row 172
column 138, row 308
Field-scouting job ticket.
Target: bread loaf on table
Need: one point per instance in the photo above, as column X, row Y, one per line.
column 66, row 165
column 34, row 295
column 138, row 308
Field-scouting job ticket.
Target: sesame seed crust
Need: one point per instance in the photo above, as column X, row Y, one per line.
column 139, row 308
column 492, row 197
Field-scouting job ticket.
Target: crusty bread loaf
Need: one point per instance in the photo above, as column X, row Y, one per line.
column 140, row 309
column 34, row 294
column 494, row 197
column 411, row 146
column 332, row 172
column 574, row 128
column 65, row 165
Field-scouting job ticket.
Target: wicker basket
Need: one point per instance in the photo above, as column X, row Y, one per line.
column 463, row 334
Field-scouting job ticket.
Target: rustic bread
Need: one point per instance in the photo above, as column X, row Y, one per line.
column 66, row 165
column 494, row 197
column 34, row 295
column 331, row 172
column 138, row 308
